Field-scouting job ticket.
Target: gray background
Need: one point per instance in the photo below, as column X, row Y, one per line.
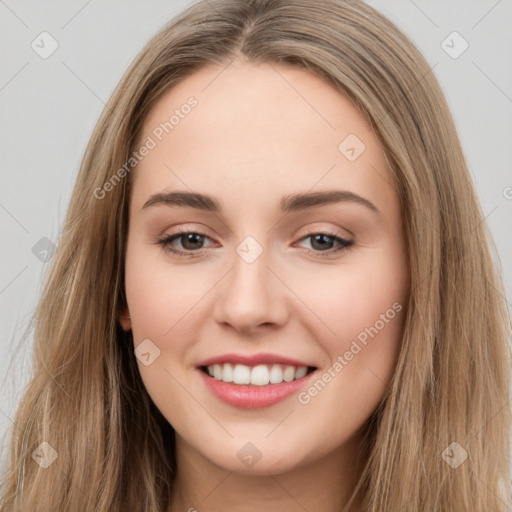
column 50, row 106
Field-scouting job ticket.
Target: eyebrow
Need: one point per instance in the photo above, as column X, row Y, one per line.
column 290, row 203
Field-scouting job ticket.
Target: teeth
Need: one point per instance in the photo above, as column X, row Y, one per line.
column 276, row 374
column 241, row 374
column 217, row 371
column 301, row 372
column 227, row 373
column 289, row 373
column 259, row 375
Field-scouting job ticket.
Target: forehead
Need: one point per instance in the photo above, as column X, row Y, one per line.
column 258, row 130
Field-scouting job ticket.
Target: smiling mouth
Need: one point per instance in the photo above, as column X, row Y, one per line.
column 259, row 375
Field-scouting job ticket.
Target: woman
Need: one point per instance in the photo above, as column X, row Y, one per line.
column 251, row 371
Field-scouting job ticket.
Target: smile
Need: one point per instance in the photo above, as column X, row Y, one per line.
column 253, row 388
column 259, row 375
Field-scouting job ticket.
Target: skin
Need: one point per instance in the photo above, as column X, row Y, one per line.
column 259, row 133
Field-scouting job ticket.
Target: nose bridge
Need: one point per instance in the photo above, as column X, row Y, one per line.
column 250, row 294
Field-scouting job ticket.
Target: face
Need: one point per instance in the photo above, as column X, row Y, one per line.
column 296, row 259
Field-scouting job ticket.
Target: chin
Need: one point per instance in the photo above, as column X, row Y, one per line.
column 249, row 458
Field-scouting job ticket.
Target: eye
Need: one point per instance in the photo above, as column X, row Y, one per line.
column 191, row 241
column 321, row 243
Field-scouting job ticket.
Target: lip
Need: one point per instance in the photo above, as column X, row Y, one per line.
column 253, row 397
column 252, row 360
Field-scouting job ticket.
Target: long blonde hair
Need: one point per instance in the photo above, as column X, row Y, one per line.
column 85, row 397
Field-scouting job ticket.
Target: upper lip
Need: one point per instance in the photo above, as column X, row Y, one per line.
column 252, row 360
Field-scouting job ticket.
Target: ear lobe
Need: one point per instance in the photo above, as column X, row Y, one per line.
column 125, row 319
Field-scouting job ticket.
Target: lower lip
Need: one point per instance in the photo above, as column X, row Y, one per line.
column 253, row 397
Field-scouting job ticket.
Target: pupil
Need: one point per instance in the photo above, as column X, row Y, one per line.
column 321, row 237
column 189, row 238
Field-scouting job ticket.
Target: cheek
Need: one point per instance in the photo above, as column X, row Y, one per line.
column 168, row 306
column 365, row 307
column 361, row 305
column 161, row 297
column 164, row 305
column 349, row 298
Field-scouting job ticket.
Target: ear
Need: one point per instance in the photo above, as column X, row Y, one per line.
column 124, row 319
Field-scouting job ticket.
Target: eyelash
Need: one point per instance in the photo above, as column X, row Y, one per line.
column 166, row 241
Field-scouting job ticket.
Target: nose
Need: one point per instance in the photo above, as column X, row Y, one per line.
column 251, row 297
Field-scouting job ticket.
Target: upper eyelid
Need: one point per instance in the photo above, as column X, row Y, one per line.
column 331, row 233
column 311, row 231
